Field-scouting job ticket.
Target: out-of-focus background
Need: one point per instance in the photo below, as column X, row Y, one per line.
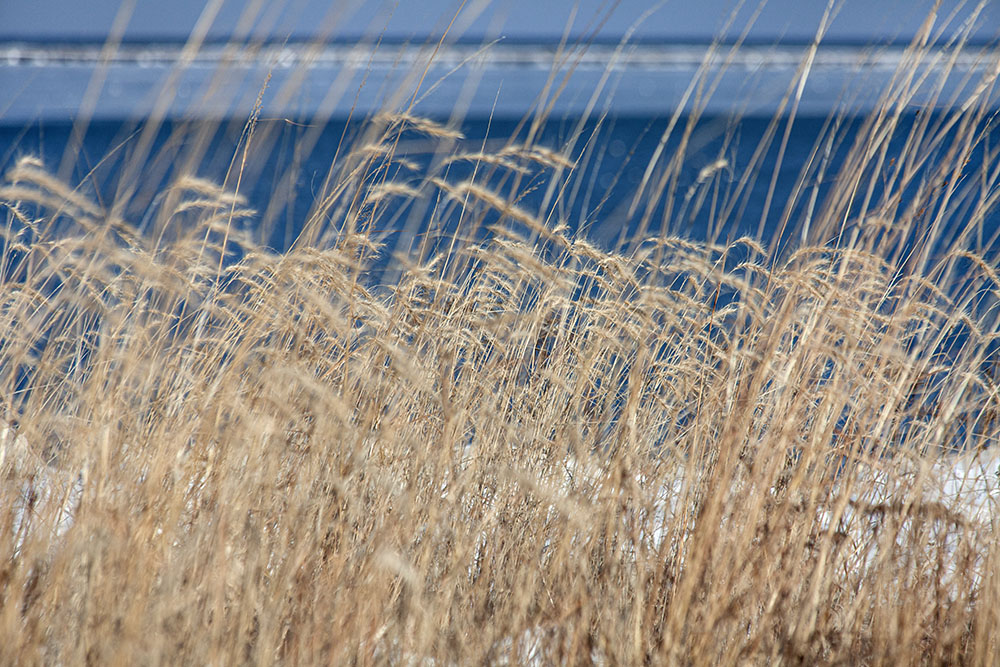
column 50, row 51
column 111, row 66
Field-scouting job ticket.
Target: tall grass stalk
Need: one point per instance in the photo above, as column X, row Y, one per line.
column 524, row 447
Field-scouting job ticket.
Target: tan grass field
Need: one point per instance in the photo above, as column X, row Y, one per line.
column 524, row 450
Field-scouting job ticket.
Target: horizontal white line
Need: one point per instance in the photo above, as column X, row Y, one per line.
column 50, row 83
column 496, row 55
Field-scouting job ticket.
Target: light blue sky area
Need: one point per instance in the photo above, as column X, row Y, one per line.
column 857, row 21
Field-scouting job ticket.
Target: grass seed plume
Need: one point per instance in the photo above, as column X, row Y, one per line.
column 446, row 426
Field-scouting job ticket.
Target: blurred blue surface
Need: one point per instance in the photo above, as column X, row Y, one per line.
column 475, row 58
column 329, row 65
column 857, row 21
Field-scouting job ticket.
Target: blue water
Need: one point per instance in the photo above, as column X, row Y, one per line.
column 283, row 179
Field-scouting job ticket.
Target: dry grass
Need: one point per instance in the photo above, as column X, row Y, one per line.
column 523, row 450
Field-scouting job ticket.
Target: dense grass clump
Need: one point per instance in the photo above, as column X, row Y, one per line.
column 511, row 445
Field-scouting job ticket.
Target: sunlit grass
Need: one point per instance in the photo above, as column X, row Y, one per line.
column 523, row 447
